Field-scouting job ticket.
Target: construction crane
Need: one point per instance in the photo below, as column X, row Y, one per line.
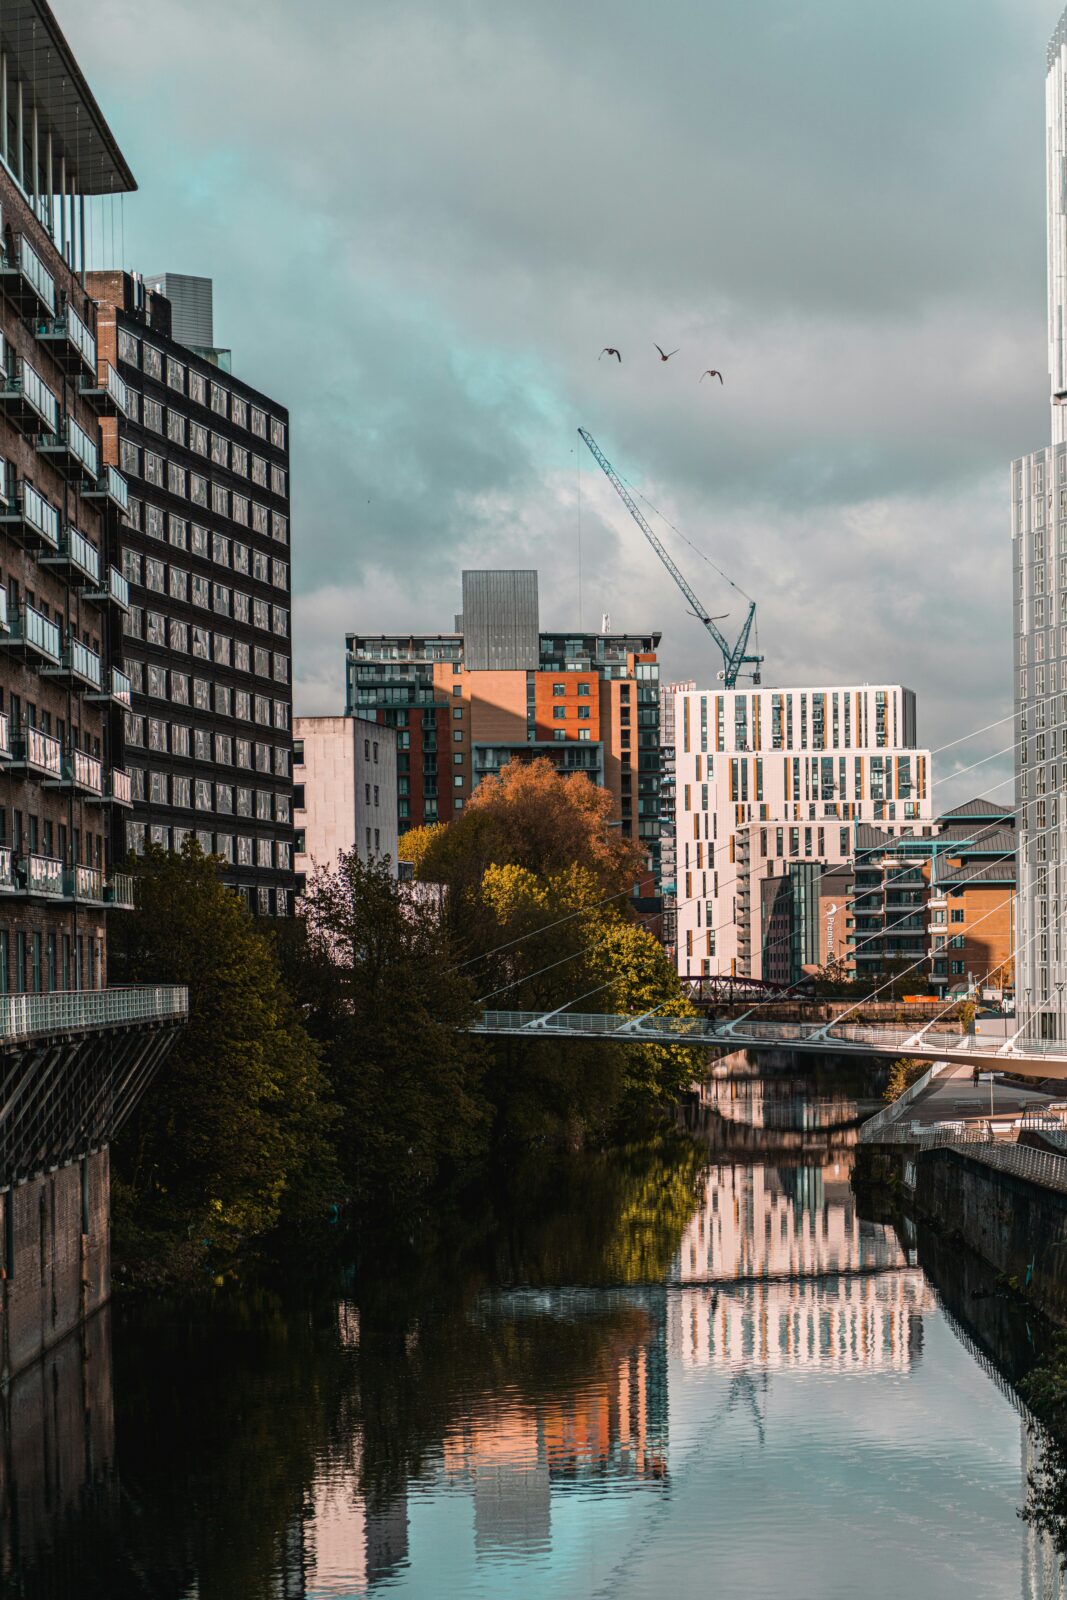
column 735, row 659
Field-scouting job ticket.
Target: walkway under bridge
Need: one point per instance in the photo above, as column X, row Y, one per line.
column 742, row 1033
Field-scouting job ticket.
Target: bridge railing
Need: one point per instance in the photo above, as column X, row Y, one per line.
column 25, row 1016
column 887, row 1126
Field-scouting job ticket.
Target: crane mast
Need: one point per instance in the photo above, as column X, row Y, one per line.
column 734, row 656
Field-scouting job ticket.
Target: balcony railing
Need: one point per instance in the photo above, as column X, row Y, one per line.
column 114, row 591
column 119, row 891
column 25, row 1016
column 27, row 401
column 118, row 692
column 39, row 752
column 40, row 875
column 34, row 635
column 37, row 518
column 78, row 664
column 73, row 346
column 26, row 279
column 70, row 449
column 112, row 488
column 84, row 884
column 117, row 789
column 7, row 868
column 106, row 391
column 83, row 771
column 77, row 555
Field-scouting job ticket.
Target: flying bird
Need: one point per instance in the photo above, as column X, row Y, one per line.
column 712, row 372
column 609, row 350
column 665, row 355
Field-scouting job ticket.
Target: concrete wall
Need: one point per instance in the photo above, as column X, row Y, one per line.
column 56, row 1272
column 1014, row 1224
column 348, row 773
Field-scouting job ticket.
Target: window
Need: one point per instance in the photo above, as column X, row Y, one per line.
column 153, row 415
column 957, row 969
column 559, row 712
column 583, row 689
column 958, row 914
column 179, row 584
column 153, row 469
column 583, row 713
column 152, row 361
column 198, row 438
column 175, row 426
column 219, row 400
column 220, row 549
column 175, row 375
column 197, row 387
column 239, row 411
column 457, row 736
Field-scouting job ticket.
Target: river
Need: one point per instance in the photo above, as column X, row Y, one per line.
column 693, row 1368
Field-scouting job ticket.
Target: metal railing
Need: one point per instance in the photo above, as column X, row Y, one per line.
column 873, row 1130
column 28, row 626
column 42, row 751
column 1024, row 1160
column 84, row 883
column 84, row 770
column 119, row 891
column 36, row 274
column 41, row 875
column 72, row 1011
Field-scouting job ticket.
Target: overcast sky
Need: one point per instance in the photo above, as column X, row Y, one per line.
column 425, row 220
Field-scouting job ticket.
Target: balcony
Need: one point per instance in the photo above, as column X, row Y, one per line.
column 111, row 489
column 24, row 1016
column 27, row 401
column 77, row 664
column 41, row 753
column 81, row 772
column 77, row 557
column 5, row 737
column 119, row 691
column 119, row 891
column 116, row 592
column 106, row 392
column 117, row 791
column 40, row 876
column 26, row 280
column 34, row 637
column 70, row 449
column 7, row 869
column 34, row 517
column 84, row 884
column 71, row 344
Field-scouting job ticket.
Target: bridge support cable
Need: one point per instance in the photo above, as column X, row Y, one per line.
column 625, row 893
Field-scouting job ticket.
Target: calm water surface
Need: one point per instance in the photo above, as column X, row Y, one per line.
column 693, row 1369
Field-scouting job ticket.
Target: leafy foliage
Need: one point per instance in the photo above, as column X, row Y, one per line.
column 375, row 972
column 902, row 1074
column 234, row 1134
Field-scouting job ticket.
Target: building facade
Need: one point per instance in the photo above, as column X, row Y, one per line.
column 767, row 778
column 73, row 1056
column 344, row 773
column 498, row 689
column 1039, row 611
column 941, row 903
column 204, row 548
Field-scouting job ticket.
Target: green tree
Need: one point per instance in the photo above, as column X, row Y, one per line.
column 234, row 1133
column 382, row 991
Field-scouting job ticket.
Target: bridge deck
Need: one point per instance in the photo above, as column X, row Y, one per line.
column 745, row 1034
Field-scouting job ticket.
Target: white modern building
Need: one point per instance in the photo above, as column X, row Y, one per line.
column 344, row 783
column 767, row 779
column 1039, row 606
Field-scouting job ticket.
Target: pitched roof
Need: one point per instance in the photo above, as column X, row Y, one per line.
column 975, row 808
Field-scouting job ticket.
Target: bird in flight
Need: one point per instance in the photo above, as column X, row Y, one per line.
column 712, row 372
column 665, row 355
column 609, row 350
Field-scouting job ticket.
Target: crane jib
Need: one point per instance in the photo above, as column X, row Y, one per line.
column 734, row 656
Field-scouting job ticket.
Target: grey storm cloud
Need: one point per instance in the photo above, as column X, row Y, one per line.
column 424, row 221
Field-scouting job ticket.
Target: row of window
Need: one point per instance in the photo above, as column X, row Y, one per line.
column 155, row 628
column 178, row 480
column 147, row 572
column 186, row 535
column 201, row 794
column 203, row 744
column 162, row 683
column 200, row 389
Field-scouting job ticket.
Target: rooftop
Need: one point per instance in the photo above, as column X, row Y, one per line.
column 40, row 57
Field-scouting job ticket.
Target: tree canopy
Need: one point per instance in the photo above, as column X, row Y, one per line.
column 234, row 1132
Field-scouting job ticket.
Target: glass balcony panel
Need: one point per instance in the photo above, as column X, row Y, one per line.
column 39, row 515
column 84, row 883
column 33, row 629
column 36, row 274
column 121, row 687
column 41, row 875
column 83, row 554
column 7, row 868
column 42, row 751
column 40, row 396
